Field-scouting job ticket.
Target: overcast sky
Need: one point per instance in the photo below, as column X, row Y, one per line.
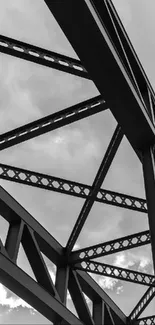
column 29, row 92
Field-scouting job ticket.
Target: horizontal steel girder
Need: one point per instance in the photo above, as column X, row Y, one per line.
column 41, row 56
column 110, row 247
column 105, row 67
column 116, row 272
column 60, row 185
column 52, row 122
column 142, row 304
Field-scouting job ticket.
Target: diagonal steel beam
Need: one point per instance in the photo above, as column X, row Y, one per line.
column 41, row 56
column 125, row 49
column 52, row 122
column 79, row 299
column 61, row 185
column 97, row 294
column 25, row 287
column 149, row 182
column 110, row 247
column 150, row 320
column 13, row 212
column 104, row 167
column 109, row 75
column 116, row 272
column 142, row 304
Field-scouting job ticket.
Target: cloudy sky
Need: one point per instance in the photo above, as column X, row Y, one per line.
column 29, row 92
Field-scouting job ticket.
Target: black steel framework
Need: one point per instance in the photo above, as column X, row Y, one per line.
column 109, row 60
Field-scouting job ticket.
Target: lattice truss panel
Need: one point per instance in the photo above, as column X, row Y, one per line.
column 131, row 101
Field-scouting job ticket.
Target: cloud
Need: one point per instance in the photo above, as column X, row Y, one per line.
column 121, row 261
column 127, row 260
column 144, row 262
column 119, row 290
column 12, row 301
column 72, row 145
column 107, row 283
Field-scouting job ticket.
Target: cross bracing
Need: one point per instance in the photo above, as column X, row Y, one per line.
column 131, row 100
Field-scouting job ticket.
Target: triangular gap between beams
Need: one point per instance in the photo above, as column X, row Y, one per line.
column 23, row 263
column 51, row 267
column 149, row 310
column 125, row 174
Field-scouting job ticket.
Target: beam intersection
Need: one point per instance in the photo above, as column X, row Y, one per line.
column 60, row 185
column 110, row 247
column 126, row 90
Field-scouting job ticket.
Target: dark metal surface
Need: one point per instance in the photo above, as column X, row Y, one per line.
column 35, row 295
column 116, row 85
column 116, row 272
column 110, row 247
column 79, row 299
column 65, row 186
column 108, row 58
column 41, row 56
column 96, row 294
column 149, row 180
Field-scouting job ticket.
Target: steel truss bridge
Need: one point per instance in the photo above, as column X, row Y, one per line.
column 108, row 59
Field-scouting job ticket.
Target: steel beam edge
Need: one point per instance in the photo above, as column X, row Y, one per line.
column 77, row 189
column 95, row 293
column 52, row 122
column 12, row 211
column 149, row 320
column 42, row 56
column 25, row 287
column 118, row 91
column 107, row 248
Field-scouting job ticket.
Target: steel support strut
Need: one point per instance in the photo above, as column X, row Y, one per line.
column 52, row 122
column 142, row 304
column 149, row 180
column 110, row 247
column 65, row 186
column 101, row 174
column 116, row 272
column 41, row 56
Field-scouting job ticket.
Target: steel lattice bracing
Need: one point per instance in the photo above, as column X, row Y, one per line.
column 124, row 89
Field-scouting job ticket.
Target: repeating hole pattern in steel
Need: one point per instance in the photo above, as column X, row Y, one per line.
column 115, row 245
column 117, row 272
column 146, row 321
column 139, row 204
column 43, row 125
column 142, row 304
column 42, row 181
column 38, row 54
column 68, row 187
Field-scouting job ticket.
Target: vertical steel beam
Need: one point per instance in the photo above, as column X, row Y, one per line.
column 14, row 238
column 79, row 300
column 149, row 180
column 38, row 265
column 61, row 283
column 98, row 312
